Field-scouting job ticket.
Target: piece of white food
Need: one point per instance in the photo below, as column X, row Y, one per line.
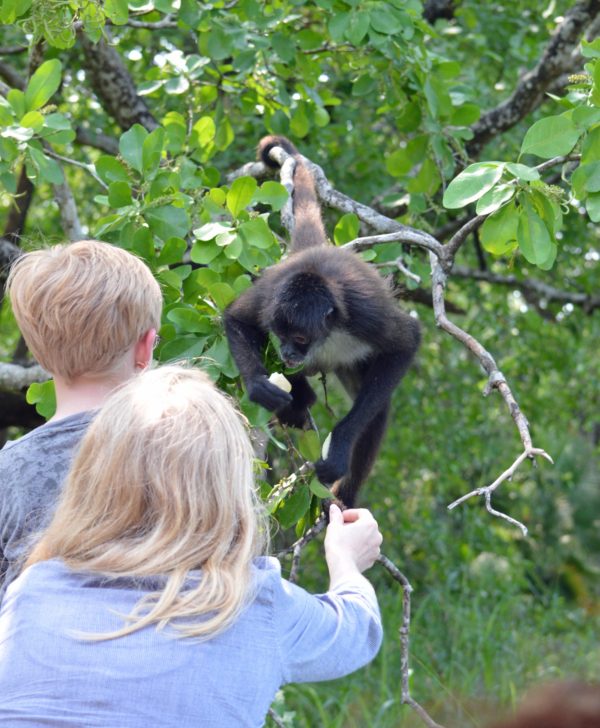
column 325, row 448
column 280, row 381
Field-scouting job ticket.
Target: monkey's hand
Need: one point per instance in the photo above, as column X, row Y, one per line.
column 268, row 395
column 294, row 416
column 331, row 469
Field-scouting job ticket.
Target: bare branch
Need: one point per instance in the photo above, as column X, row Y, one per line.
column 12, row 50
column 89, row 168
column 404, row 632
column 409, row 236
column 14, row 377
column 487, row 491
column 69, row 215
column 530, row 92
column 12, row 77
column 276, row 719
column 542, row 290
column 97, row 140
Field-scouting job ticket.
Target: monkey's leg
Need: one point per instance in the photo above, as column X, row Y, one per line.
column 379, row 379
column 363, row 457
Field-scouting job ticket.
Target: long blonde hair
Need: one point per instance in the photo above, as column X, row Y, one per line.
column 163, row 484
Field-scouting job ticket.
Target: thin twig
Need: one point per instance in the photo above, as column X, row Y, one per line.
column 404, row 632
column 89, row 168
column 487, row 491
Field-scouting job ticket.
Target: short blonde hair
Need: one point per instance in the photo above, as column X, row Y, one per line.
column 80, row 306
column 163, row 484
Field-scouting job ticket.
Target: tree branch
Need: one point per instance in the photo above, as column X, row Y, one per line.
column 69, row 215
column 14, row 376
column 587, row 301
column 114, row 85
column 530, row 92
column 12, row 77
column 103, row 142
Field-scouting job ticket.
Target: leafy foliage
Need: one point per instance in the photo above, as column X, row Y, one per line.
column 387, row 104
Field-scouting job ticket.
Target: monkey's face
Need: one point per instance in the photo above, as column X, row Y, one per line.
column 294, row 348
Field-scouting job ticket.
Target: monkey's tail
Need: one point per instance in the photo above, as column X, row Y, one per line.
column 308, row 226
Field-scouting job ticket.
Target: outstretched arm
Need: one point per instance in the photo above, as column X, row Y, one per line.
column 247, row 341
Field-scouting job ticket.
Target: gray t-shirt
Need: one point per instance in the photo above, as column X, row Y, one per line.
column 32, row 471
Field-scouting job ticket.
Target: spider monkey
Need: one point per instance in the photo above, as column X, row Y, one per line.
column 331, row 311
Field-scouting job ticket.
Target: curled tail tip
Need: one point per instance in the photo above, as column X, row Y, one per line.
column 267, row 143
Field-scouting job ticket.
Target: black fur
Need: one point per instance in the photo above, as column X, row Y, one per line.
column 331, row 312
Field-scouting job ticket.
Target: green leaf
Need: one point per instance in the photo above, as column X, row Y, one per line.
column 168, row 221
column 523, row 172
column 46, row 169
column 299, row 123
column 358, row 27
column 472, row 183
column 465, row 115
column 222, row 294
column 33, row 120
column 294, row 507
column 204, row 253
column 117, row 11
column 172, row 251
column 152, row 148
column 240, row 194
column 189, row 320
column 364, row 85
column 551, row 137
column 532, row 234
column 211, row 230
column 592, row 205
column 224, row 134
column 43, row 84
column 256, row 233
column 10, row 10
column 309, row 445
column 499, row 232
column 347, row 228
column 587, row 178
column 43, row 396
column 494, row 199
column 273, row 194
column 109, row 169
column 119, row 194
column 57, row 129
column 590, row 50
column 398, row 163
column 385, row 21
column 203, row 132
column 319, row 489
column 16, row 99
column 131, row 145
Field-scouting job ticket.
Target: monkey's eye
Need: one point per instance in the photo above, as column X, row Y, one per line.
column 299, row 339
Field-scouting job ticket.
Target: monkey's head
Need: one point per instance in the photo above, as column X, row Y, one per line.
column 303, row 315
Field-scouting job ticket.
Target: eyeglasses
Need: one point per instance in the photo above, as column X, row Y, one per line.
column 156, row 342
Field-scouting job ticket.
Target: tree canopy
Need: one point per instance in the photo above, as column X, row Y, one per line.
column 456, row 146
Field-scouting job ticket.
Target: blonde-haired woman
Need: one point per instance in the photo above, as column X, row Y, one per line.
column 145, row 602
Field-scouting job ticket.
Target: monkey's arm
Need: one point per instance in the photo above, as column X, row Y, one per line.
column 247, row 341
column 303, row 398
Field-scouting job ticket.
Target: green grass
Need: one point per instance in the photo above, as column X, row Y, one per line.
column 473, row 655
